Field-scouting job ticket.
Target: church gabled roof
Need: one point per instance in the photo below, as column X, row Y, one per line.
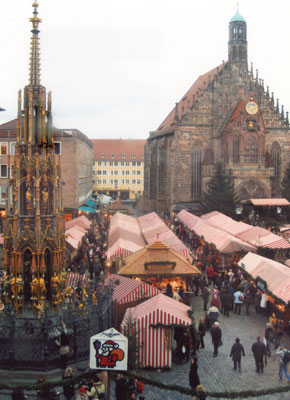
column 235, row 115
column 188, row 99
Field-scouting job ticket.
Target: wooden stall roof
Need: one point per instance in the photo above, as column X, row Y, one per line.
column 157, row 259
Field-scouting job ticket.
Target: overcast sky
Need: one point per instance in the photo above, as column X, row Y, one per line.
column 117, row 67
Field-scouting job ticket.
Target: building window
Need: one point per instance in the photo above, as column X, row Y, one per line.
column 236, row 150
column 138, row 181
column 3, row 149
column 99, row 163
column 122, row 172
column 122, row 163
column 196, row 173
column 12, row 148
column 251, row 151
column 111, row 182
column 123, row 155
column 127, row 163
column 104, row 163
column 116, row 163
column 134, row 163
column 138, row 172
column 133, row 155
column 127, row 181
column 102, row 155
column 127, row 172
column 3, row 171
column 112, row 172
column 99, row 181
column 122, row 181
column 111, row 163
column 116, row 182
column 112, row 155
column 142, row 155
column 104, row 181
column 115, row 172
column 2, row 194
column 138, row 163
column 99, row 172
column 104, row 172
column 133, row 172
column 57, row 148
column 134, row 181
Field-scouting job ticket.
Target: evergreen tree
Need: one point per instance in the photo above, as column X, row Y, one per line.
column 285, row 184
column 221, row 195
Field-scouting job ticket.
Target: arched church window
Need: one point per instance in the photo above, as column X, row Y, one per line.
column 251, row 151
column 236, row 150
column 234, row 52
column 196, row 172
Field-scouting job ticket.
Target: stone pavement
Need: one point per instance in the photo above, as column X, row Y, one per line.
column 217, row 374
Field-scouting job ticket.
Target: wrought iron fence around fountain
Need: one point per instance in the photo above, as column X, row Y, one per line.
column 29, row 342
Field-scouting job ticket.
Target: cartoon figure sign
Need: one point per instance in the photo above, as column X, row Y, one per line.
column 108, row 350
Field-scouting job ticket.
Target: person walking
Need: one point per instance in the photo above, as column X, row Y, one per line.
column 193, row 375
column 263, row 304
column 202, row 331
column 284, row 360
column 259, row 351
column 213, row 314
column 257, row 301
column 269, row 336
column 279, row 332
column 238, row 301
column 248, row 301
column 68, row 388
column 205, row 296
column 216, row 335
column 236, row 354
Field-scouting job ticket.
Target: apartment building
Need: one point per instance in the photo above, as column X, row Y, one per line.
column 118, row 169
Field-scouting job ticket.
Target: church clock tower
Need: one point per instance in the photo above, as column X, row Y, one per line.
column 34, row 226
column 238, row 52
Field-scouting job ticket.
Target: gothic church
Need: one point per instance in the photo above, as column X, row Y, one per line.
column 227, row 115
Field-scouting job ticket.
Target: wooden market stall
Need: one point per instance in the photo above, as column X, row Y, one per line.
column 159, row 264
column 128, row 293
column 273, row 278
column 154, row 322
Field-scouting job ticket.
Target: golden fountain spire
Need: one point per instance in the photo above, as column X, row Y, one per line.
column 34, row 72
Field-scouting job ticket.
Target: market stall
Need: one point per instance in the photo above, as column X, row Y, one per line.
column 154, row 322
column 81, row 221
column 272, row 277
column 159, row 264
column 74, row 236
column 151, row 226
column 128, row 293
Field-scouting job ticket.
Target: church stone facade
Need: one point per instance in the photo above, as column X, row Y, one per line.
column 227, row 116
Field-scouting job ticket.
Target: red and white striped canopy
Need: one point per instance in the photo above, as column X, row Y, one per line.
column 127, row 290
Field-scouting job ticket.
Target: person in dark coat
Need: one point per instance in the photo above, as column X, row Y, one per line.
column 201, row 331
column 169, row 291
column 205, row 295
column 216, row 335
column 259, row 351
column 257, row 301
column 236, row 353
column 269, row 335
column 193, row 375
column 248, row 301
column 68, row 389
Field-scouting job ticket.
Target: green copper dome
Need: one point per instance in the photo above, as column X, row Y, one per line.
column 237, row 18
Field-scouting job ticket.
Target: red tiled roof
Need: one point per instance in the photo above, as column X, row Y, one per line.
column 118, row 147
column 235, row 114
column 9, row 126
column 187, row 100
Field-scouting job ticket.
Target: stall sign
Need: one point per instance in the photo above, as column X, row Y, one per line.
column 109, row 351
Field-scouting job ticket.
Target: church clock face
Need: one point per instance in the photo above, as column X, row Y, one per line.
column 252, row 108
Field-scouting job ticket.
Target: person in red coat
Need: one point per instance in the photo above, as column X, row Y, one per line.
column 210, row 274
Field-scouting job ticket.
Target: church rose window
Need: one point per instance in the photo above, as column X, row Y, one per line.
column 251, row 151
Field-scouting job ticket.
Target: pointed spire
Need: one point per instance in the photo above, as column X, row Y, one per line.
column 252, row 70
column 287, row 118
column 34, row 73
column 268, row 92
column 282, row 112
column 257, row 76
column 272, row 98
column 277, row 105
column 176, row 118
